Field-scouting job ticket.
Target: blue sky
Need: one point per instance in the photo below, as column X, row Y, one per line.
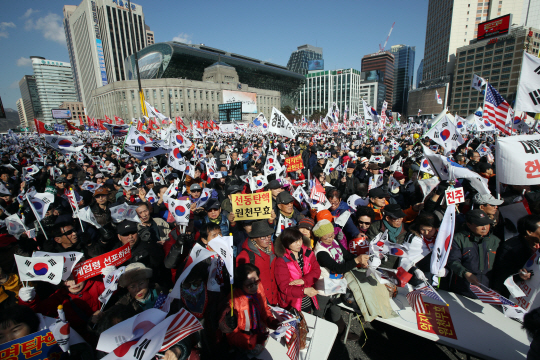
column 266, row 30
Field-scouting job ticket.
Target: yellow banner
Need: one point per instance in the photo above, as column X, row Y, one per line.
column 252, row 206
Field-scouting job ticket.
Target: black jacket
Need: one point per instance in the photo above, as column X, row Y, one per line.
column 510, row 258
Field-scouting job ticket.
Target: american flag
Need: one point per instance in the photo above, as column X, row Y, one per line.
column 317, row 191
column 496, row 109
column 283, row 315
column 183, row 325
column 70, row 194
column 294, row 351
column 415, row 297
column 415, row 300
column 488, row 296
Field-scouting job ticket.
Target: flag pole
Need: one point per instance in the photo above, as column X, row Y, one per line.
column 36, row 215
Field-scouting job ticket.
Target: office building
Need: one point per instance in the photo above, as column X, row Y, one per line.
column 299, row 60
column 496, row 59
column 55, row 84
column 383, row 62
column 454, row 23
column 419, row 73
column 403, row 76
column 30, row 98
column 77, row 111
column 149, row 35
column 372, row 89
column 68, row 10
column 189, row 61
column 99, row 38
column 190, row 99
column 22, row 114
column 323, row 88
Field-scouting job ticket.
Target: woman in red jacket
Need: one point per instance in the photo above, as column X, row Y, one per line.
column 259, row 251
column 80, row 303
column 247, row 330
column 296, row 271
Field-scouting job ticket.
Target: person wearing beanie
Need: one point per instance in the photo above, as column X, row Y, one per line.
column 333, row 259
column 305, row 226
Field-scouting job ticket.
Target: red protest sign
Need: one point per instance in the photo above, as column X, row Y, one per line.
column 92, row 267
column 436, row 320
column 294, row 163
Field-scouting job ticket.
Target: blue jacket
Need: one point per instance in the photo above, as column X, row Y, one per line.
column 312, row 162
column 349, row 229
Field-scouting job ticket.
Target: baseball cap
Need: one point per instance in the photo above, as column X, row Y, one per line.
column 194, row 187
column 351, row 165
column 60, row 179
column 284, row 198
column 101, row 191
column 129, row 166
column 126, row 227
column 212, row 204
column 483, row 199
column 377, row 193
column 274, row 184
column 399, row 176
column 233, row 189
column 478, row 217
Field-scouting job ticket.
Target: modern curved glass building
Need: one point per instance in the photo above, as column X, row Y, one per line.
column 178, row 60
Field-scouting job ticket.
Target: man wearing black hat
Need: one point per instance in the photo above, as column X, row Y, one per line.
column 473, row 253
column 214, row 215
column 349, row 183
column 149, row 253
column 286, row 210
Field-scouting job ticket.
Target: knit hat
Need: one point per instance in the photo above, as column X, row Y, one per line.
column 306, row 223
column 134, row 272
column 323, row 228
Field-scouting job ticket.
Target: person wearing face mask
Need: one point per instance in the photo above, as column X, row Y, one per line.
column 80, row 302
column 515, row 252
column 473, row 254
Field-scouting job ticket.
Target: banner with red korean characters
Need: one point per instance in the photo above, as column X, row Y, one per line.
column 518, row 160
column 92, row 267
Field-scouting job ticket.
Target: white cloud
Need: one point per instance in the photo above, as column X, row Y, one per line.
column 50, row 26
column 22, row 61
column 29, row 13
column 3, row 27
column 183, row 38
column 14, row 85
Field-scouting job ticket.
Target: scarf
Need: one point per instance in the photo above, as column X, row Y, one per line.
column 287, row 216
column 255, row 314
column 335, row 251
column 149, row 301
column 216, row 220
column 392, row 231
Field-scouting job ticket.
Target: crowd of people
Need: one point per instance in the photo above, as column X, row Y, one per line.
column 292, row 266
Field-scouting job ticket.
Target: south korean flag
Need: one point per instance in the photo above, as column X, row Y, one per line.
column 180, row 209
column 47, row 269
column 70, row 259
column 157, row 178
column 127, row 181
column 39, row 202
column 426, row 167
column 30, row 170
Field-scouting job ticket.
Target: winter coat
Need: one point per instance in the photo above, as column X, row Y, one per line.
column 349, row 229
column 242, row 337
column 329, row 265
column 102, row 216
column 287, row 270
column 348, row 187
column 471, row 253
column 162, row 227
column 78, row 308
column 511, row 257
column 266, row 264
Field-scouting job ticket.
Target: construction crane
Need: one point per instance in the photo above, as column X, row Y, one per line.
column 381, row 49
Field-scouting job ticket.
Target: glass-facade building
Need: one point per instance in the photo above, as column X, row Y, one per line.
column 178, row 60
column 30, row 98
column 299, row 60
column 55, row 84
column 383, row 62
column 403, row 75
column 419, row 73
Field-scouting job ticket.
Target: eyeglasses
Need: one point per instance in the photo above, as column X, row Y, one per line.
column 69, row 232
column 253, row 284
column 364, row 222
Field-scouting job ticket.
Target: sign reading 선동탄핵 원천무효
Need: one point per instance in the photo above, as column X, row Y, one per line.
column 254, row 206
